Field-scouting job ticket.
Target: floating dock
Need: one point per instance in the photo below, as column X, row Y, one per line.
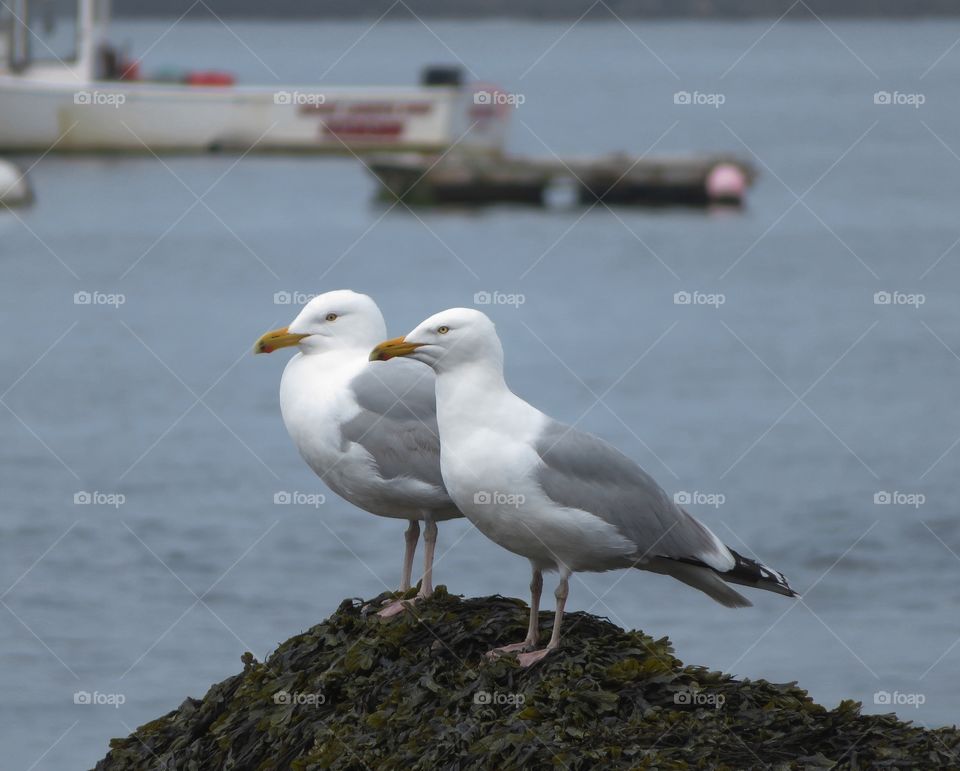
column 614, row 179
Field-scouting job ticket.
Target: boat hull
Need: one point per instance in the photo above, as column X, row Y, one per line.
column 143, row 118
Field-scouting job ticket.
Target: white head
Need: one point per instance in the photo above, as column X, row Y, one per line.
column 448, row 340
column 339, row 319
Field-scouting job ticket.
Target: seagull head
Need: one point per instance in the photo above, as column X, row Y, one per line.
column 339, row 319
column 446, row 341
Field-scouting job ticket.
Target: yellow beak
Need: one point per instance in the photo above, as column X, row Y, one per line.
column 388, row 349
column 277, row 338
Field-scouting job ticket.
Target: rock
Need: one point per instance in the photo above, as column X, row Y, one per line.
column 416, row 692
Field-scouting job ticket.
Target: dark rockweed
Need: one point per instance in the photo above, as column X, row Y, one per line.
column 416, row 692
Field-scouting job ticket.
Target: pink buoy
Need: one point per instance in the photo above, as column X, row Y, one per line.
column 726, row 182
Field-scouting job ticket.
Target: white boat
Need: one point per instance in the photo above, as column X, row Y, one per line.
column 73, row 92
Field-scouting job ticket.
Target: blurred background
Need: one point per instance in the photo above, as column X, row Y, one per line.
column 790, row 365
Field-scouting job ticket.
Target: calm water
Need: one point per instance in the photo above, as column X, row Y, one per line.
column 797, row 400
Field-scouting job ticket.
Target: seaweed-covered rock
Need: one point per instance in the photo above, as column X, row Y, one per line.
column 416, row 692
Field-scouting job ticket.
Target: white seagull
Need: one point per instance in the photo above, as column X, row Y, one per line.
column 369, row 431
column 562, row 498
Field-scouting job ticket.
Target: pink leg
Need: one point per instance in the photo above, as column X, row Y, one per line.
column 411, row 536
column 563, row 589
column 429, row 548
column 533, row 628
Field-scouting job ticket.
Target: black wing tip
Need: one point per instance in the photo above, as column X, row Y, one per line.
column 747, row 572
column 752, row 573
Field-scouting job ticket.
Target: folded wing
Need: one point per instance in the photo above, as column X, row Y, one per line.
column 397, row 421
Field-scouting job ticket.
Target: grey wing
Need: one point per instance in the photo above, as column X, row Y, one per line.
column 397, row 422
column 584, row 472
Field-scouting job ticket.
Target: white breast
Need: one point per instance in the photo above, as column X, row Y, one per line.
column 315, row 399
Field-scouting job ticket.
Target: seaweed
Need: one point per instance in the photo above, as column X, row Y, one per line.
column 417, row 692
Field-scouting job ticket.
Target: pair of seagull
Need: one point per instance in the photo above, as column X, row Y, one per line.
column 450, row 439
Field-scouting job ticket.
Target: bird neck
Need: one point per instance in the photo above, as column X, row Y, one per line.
column 321, row 368
column 338, row 347
column 468, row 390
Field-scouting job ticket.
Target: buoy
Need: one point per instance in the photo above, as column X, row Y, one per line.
column 14, row 188
column 726, row 183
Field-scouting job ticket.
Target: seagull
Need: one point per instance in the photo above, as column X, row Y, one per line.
column 369, row 431
column 564, row 499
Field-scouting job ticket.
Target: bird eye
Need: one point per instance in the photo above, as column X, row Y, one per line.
column 443, row 330
column 331, row 317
